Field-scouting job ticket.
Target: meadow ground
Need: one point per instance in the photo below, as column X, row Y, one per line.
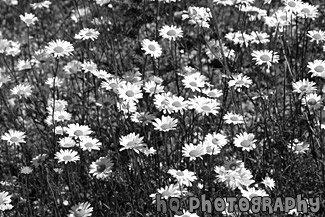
column 146, row 108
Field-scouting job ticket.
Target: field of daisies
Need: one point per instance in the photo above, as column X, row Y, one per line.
column 107, row 104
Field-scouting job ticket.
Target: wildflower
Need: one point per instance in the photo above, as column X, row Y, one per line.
column 232, row 164
column 245, row 141
column 22, row 90
column 199, row 16
column 24, row 65
column 130, row 92
column 152, row 87
column 36, row 161
column 215, row 139
column 127, row 107
column 87, row 33
column 148, row 151
column 171, row 32
column 213, row 93
column 234, row 179
column 317, row 68
column 312, row 100
column 223, row 2
column 89, row 144
column 57, row 105
column 259, row 37
column 252, row 192
column 81, row 210
column 265, row 56
column 239, row 81
column 269, row 182
column 231, row 118
column 89, row 66
column 14, row 137
column 43, row 4
column 151, row 48
column 101, row 74
column 193, row 151
column 59, row 48
column 176, row 104
column 67, row 142
column 76, row 130
column 13, row 49
column 194, row 81
column 29, row 19
column 204, row 106
column 67, row 156
column 112, row 84
column 26, row 170
column 54, row 82
column 240, row 38
column 72, row 67
column 142, row 117
column 292, row 5
column 307, row 10
column 101, row 168
column 318, row 36
column 210, row 148
column 5, row 200
column 299, row 147
column 132, row 141
column 184, row 177
column 165, row 124
column 161, row 102
column 167, row 192
column 304, row 86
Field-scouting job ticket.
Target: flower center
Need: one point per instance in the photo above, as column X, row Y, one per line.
column 58, row 49
column 100, row 168
column 283, row 17
column 67, row 158
column 129, row 93
column 78, row 133
column 299, row 148
column 180, row 173
column 212, row 94
column 193, row 83
column 317, row 36
column 245, row 143
column 233, row 166
column 265, row 57
column 240, row 82
column 319, row 68
column 151, row 47
column 206, row 108
column 152, row 89
column 253, row 195
column 14, row 139
column 29, row 21
column 306, row 10
column 234, row 118
column 194, row 153
column 303, row 88
column 292, row 4
column 177, row 104
column 89, row 145
column 171, row 32
column 89, row 34
column 312, row 102
column 61, row 117
column 215, row 141
column 165, row 126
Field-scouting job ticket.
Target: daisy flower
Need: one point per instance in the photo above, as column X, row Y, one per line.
column 210, row 148
column 260, row 37
column 148, row 151
column 235, row 179
column 29, row 19
column 142, row 117
column 102, row 74
column 36, row 161
column 13, row 49
column 112, row 84
column 102, row 2
column 151, row 48
column 312, row 100
column 152, row 88
column 250, row 193
column 292, row 5
column 5, row 200
column 232, row 118
column 176, row 104
column 204, row 106
column 67, row 142
column 304, row 86
column 24, row 65
column 199, row 16
column 167, row 192
column 161, row 102
column 132, row 141
column 187, row 213
column 213, row 93
column 240, row 38
column 224, row 2
column 67, row 156
column 232, row 164
column 265, row 56
column 54, row 82
column 87, row 33
column 89, row 144
column 59, row 48
column 239, row 81
column 26, row 170
column 127, row 107
column 81, row 210
column 193, row 151
column 316, row 35
column 59, row 105
column 165, row 124
column 268, row 182
column 194, row 81
column 76, row 130
column 299, row 147
column 43, row 4
column 72, row 67
column 245, row 141
column 89, row 66
column 22, row 90
column 130, row 92
column 102, row 168
column 317, row 68
column 308, row 11
column 184, row 177
column 216, row 139
column 171, row 32
column 14, row 137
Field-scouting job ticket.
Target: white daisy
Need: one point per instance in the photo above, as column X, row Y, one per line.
column 312, row 100
column 245, row 141
column 184, row 177
column 268, row 182
column 87, row 33
column 76, row 130
column 22, row 90
column 316, row 35
column 101, row 168
column 193, row 151
column 151, row 48
column 29, row 19
column 67, row 142
column 239, row 81
column 165, row 124
column 194, row 81
column 67, row 156
column 14, row 137
column 265, row 56
column 152, row 88
column 88, row 144
column 171, row 32
column 59, row 48
column 232, row 118
column 132, row 141
column 317, row 68
column 250, row 193
column 304, row 86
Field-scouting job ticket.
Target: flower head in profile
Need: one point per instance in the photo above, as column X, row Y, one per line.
column 67, row 156
column 22, row 90
column 184, row 177
column 132, row 141
column 171, row 32
column 151, row 48
column 87, row 33
column 232, row 118
column 239, row 81
column 299, row 147
column 5, row 200
column 59, row 48
column 165, row 124
column 304, row 86
column 193, row 151
column 81, row 210
column 14, row 137
column 29, row 19
column 101, row 168
column 316, row 35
